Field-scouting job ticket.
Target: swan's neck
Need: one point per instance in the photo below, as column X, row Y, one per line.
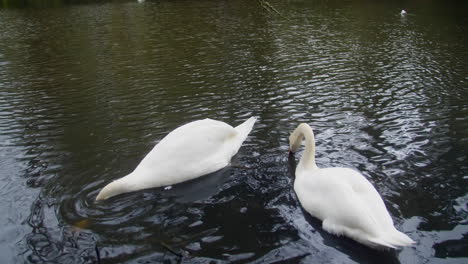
column 115, row 188
column 307, row 160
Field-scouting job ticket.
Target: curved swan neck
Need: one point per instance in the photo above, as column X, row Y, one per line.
column 114, row 188
column 308, row 157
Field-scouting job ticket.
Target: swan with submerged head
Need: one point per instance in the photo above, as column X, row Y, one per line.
column 190, row 151
column 342, row 198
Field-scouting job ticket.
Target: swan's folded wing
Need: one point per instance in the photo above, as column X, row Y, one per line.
column 334, row 200
column 367, row 193
column 190, row 151
column 350, row 213
column 191, row 142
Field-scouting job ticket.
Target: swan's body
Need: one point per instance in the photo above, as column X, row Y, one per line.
column 403, row 13
column 342, row 198
column 190, row 151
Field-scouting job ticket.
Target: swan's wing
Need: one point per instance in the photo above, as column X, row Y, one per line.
column 374, row 223
column 192, row 150
column 348, row 204
column 197, row 138
column 335, row 202
column 367, row 192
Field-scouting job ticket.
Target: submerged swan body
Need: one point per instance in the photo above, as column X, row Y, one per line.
column 190, row 151
column 345, row 201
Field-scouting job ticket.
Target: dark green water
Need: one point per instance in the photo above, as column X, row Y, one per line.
column 87, row 88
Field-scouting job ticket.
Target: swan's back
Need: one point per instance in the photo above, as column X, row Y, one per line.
column 192, row 150
column 366, row 193
column 326, row 193
column 348, row 204
column 191, row 140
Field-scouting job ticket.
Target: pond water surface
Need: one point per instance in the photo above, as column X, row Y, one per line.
column 87, row 89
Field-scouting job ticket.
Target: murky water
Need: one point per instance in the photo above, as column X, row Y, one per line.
column 87, row 89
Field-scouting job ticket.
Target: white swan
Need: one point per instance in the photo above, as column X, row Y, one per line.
column 403, row 12
column 342, row 198
column 188, row 152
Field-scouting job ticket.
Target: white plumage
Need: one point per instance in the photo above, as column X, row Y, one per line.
column 190, row 151
column 345, row 201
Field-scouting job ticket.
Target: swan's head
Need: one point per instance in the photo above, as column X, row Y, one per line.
column 112, row 189
column 296, row 137
column 295, row 142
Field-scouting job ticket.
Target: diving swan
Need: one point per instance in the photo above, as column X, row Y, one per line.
column 190, row 151
column 345, row 201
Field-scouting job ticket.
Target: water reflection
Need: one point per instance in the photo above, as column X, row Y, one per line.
column 85, row 97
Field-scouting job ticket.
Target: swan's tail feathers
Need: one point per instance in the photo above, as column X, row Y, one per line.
column 393, row 239
column 245, row 128
column 397, row 238
column 379, row 243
